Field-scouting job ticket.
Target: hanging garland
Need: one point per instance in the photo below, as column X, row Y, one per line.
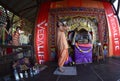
column 83, row 50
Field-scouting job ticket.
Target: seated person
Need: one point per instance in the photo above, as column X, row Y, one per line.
column 26, row 64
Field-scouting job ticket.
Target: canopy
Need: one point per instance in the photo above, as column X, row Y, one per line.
column 26, row 8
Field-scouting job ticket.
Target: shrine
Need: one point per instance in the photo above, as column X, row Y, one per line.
column 88, row 24
column 59, row 40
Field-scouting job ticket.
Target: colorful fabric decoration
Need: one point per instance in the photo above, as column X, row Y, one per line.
column 84, row 51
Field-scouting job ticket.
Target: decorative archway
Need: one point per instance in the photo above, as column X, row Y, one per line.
column 108, row 28
column 81, row 22
column 95, row 23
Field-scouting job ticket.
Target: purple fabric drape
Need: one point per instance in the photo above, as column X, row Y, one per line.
column 83, row 57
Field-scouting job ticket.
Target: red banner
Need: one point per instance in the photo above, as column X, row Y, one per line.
column 41, row 31
column 113, row 26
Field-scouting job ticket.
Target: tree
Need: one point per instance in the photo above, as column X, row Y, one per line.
column 14, row 20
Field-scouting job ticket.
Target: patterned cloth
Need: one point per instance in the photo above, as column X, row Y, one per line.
column 83, row 56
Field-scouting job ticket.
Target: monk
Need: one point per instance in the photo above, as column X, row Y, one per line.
column 62, row 45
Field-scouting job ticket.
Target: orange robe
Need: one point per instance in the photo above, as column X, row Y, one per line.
column 62, row 47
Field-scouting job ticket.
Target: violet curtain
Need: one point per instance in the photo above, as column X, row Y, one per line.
column 84, row 56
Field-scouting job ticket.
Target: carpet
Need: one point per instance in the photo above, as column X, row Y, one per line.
column 68, row 71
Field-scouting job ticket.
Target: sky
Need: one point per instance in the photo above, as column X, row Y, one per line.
column 115, row 5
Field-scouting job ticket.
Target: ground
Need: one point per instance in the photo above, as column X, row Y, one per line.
column 103, row 71
column 108, row 70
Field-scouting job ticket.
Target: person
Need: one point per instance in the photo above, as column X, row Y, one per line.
column 99, row 50
column 15, row 37
column 105, row 51
column 23, row 39
column 62, row 45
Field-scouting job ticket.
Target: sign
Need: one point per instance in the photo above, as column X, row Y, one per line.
column 41, row 33
column 113, row 26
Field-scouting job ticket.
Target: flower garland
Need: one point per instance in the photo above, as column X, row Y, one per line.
column 83, row 50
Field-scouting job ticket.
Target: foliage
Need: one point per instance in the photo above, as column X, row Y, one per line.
column 18, row 21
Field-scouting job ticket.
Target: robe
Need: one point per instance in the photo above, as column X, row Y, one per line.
column 62, row 46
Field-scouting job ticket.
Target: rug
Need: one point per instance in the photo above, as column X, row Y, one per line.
column 68, row 71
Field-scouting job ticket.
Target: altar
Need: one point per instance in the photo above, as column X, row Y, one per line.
column 83, row 53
